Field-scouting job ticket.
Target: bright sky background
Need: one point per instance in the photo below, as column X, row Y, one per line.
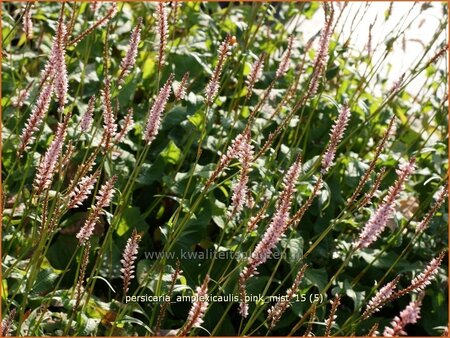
column 407, row 49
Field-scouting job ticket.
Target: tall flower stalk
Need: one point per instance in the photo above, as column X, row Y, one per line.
column 27, row 23
column 180, row 91
column 272, row 235
column 87, row 118
column 198, row 309
column 275, row 312
column 34, row 122
column 103, row 199
column 321, row 57
column 335, row 302
column 109, row 119
column 127, row 124
column 285, row 59
column 48, row 163
column 110, row 13
column 240, row 190
column 129, row 59
column 381, row 297
column 156, row 111
column 128, row 260
column 212, row 88
column 409, row 315
column 421, row 281
column 163, row 32
column 378, row 221
column 255, row 74
column 372, row 164
column 335, row 137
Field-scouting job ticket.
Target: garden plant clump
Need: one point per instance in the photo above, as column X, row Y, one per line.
column 236, row 169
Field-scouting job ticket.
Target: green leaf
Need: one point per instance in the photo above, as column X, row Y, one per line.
column 197, row 120
column 44, row 282
column 318, row 277
column 171, row 154
column 131, row 219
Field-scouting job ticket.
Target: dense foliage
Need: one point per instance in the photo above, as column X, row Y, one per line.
column 229, row 189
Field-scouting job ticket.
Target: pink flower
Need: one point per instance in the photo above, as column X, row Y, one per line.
column 198, row 309
column 162, row 27
column 335, row 302
column 255, row 74
column 103, row 199
column 378, row 221
column 27, row 23
column 112, row 11
column 409, row 315
column 180, row 92
column 60, row 68
column 126, row 126
column 87, row 118
column 240, row 190
column 81, row 192
column 37, row 115
column 130, row 57
column 321, row 57
column 285, row 59
column 275, row 312
column 109, row 120
column 47, row 165
column 155, row 114
column 212, row 88
column 426, row 220
column 272, row 235
column 128, row 259
column 19, row 100
column 424, row 279
column 335, row 137
column 381, row 297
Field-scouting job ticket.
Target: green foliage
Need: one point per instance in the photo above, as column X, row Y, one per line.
column 170, row 195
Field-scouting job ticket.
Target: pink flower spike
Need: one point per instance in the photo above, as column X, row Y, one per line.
column 162, row 28
column 180, row 91
column 81, row 192
column 128, row 259
column 155, row 114
column 109, row 119
column 212, row 88
column 273, row 234
column 87, row 118
column 103, row 199
column 255, row 74
column 130, row 58
column 37, row 115
column 27, row 23
column 285, row 58
column 378, row 221
column 381, row 297
column 128, row 123
column 198, row 309
column 335, row 137
column 409, row 315
column 47, row 166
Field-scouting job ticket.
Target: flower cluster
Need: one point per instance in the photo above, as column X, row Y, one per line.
column 103, row 199
column 129, row 59
column 128, row 258
column 409, row 315
column 198, row 309
column 383, row 213
column 272, row 235
column 240, row 190
column 155, row 114
column 335, row 137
